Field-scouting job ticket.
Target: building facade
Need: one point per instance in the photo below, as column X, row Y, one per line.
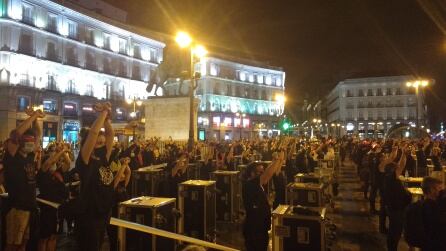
column 237, row 100
column 63, row 60
column 368, row 107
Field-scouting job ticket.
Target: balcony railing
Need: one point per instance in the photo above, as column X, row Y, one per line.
column 51, row 28
column 28, row 20
column 27, row 50
column 53, row 56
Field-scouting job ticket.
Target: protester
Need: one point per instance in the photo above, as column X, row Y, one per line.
column 21, row 161
column 50, row 180
column 396, row 197
column 96, row 194
column 258, row 212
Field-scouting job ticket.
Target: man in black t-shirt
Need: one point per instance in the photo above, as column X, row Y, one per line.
column 258, row 210
column 21, row 162
column 96, row 176
column 395, row 197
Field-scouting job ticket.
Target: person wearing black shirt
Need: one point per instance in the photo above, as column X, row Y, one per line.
column 52, row 188
column 258, row 211
column 122, row 173
column 96, row 176
column 396, row 197
column 433, row 224
column 21, row 161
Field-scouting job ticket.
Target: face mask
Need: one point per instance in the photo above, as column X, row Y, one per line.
column 28, row 147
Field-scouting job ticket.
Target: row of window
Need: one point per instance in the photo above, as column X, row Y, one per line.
column 229, row 89
column 245, row 76
column 109, row 65
column 380, row 115
column 82, row 32
column 398, row 103
column 69, row 108
column 72, row 87
column 378, row 92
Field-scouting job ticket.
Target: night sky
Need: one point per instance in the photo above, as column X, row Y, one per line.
column 317, row 42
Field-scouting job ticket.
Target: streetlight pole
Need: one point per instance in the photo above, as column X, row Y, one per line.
column 416, row 84
column 190, row 142
column 184, row 40
column 135, row 102
column 240, row 126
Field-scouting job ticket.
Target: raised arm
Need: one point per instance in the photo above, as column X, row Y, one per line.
column 272, row 168
column 402, row 163
column 13, row 144
column 109, row 137
column 92, row 136
column 53, row 160
column 122, row 173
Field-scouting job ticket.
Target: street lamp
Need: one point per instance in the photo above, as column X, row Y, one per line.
column 135, row 102
column 417, row 84
column 240, row 116
column 280, row 99
column 184, row 40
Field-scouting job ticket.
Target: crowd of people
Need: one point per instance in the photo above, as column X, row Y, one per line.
column 381, row 166
column 87, row 185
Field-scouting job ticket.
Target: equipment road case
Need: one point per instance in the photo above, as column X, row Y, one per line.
column 305, row 194
column 146, row 180
column 155, row 212
column 300, row 228
column 196, row 201
column 411, row 181
column 228, row 195
column 416, row 192
column 310, row 178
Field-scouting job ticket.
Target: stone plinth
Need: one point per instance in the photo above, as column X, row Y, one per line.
column 169, row 117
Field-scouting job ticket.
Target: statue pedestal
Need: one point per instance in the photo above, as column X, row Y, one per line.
column 169, row 117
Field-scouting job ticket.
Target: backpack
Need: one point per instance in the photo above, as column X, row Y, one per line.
column 413, row 225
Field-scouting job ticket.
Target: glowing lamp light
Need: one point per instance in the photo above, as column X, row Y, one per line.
column 129, row 101
column 286, row 126
column 139, row 103
column 280, row 98
column 183, row 39
column 87, row 108
column 199, row 51
column 133, row 114
column 350, row 127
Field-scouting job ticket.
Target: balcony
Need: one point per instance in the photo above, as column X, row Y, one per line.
column 53, row 56
column 28, row 20
column 52, row 28
column 27, row 50
column 91, row 65
column 73, row 61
